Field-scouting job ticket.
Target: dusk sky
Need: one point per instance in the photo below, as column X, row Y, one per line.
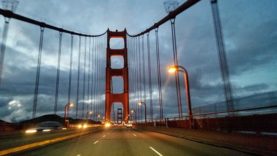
column 250, row 35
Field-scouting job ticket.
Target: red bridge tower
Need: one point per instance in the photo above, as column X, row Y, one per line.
column 111, row 97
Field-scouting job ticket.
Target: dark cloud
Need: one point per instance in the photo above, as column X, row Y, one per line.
column 250, row 38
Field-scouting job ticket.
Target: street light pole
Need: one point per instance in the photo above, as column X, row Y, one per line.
column 89, row 113
column 66, row 108
column 177, row 68
column 132, row 115
column 143, row 103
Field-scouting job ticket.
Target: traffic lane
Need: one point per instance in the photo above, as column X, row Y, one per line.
column 112, row 142
column 71, row 147
column 19, row 139
column 169, row 145
column 122, row 141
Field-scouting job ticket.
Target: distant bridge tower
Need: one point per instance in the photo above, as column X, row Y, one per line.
column 111, row 97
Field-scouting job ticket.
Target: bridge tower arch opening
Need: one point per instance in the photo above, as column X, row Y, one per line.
column 111, row 96
column 116, row 113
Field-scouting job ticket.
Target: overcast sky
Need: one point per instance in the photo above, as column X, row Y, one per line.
column 250, row 36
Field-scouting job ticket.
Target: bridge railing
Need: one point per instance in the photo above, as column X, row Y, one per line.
column 249, row 120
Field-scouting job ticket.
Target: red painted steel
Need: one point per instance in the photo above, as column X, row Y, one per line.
column 111, row 97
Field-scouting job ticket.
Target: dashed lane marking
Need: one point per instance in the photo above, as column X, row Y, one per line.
column 153, row 149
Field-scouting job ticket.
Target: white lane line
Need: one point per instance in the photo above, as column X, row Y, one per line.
column 95, row 142
column 134, row 134
column 153, row 149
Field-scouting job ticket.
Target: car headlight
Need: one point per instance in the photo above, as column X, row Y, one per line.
column 46, row 130
column 80, row 126
column 30, row 131
column 85, row 126
column 107, row 125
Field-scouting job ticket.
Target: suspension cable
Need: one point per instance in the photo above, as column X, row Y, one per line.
column 3, row 46
column 96, row 76
column 144, row 73
column 94, row 79
column 171, row 15
column 70, row 70
column 92, row 85
column 84, row 79
column 38, row 73
column 149, row 77
column 99, row 75
column 58, row 74
column 159, row 73
column 130, row 57
column 10, row 14
column 140, row 74
column 175, row 59
column 222, row 58
column 89, row 75
column 136, row 73
column 78, row 77
column 143, row 67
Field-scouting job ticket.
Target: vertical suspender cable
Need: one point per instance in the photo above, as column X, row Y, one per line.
column 139, row 76
column 70, row 70
column 101, row 74
column 88, row 94
column 222, row 58
column 149, row 77
column 143, row 70
column 159, row 73
column 136, row 74
column 94, row 79
column 38, row 72
column 129, row 47
column 89, row 75
column 3, row 46
column 78, row 77
column 84, row 79
column 175, row 58
column 132, row 64
column 91, row 86
column 96, row 76
column 139, row 73
column 58, row 73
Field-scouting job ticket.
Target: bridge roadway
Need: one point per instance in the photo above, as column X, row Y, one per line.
column 121, row 141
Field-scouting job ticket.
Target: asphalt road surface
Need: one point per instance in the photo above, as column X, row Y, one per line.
column 121, row 141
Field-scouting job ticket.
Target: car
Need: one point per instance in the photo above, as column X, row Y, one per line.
column 129, row 125
column 46, row 126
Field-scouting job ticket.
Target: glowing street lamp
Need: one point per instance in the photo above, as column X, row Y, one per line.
column 143, row 103
column 132, row 114
column 66, row 109
column 177, row 68
column 89, row 113
column 98, row 116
